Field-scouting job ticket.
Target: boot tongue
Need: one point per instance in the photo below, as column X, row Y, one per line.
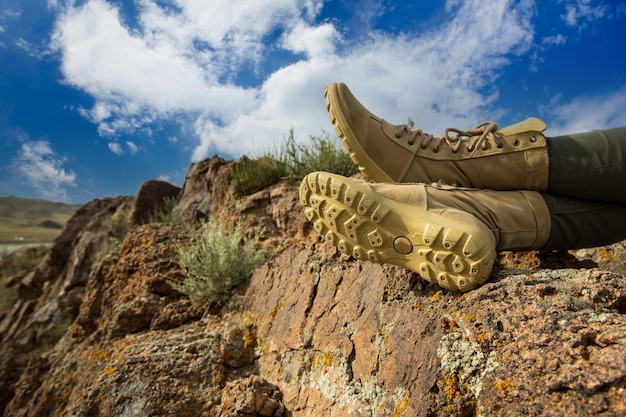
column 530, row 124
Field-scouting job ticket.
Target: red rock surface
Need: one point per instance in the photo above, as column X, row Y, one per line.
column 313, row 332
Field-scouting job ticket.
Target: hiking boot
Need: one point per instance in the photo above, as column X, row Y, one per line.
column 512, row 158
column 449, row 236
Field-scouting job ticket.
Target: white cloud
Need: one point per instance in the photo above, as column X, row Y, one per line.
column 43, row 170
column 31, row 48
column 583, row 114
column 318, row 41
column 132, row 148
column 116, row 148
column 580, row 12
column 555, row 40
column 186, row 63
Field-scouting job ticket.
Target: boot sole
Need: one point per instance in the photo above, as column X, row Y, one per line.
column 361, row 223
column 349, row 140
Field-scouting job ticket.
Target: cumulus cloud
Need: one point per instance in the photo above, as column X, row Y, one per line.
column 240, row 74
column 43, row 170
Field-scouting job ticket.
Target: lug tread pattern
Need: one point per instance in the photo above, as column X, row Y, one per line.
column 365, row 227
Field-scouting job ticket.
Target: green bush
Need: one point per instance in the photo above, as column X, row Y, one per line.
column 253, row 175
column 219, row 258
column 321, row 153
column 293, row 161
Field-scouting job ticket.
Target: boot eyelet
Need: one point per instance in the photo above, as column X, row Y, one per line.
column 533, row 139
column 500, row 146
column 435, row 150
column 516, row 142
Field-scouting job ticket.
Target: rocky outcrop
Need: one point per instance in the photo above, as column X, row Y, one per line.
column 52, row 294
column 314, row 332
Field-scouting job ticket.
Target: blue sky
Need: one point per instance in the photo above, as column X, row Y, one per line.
column 98, row 96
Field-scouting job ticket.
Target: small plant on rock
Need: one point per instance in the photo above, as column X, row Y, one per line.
column 321, row 153
column 219, row 258
column 253, row 175
column 293, row 161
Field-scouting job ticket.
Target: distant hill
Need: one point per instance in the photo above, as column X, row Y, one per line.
column 25, row 220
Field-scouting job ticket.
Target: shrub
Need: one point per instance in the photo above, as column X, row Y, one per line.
column 253, row 175
column 319, row 154
column 293, row 161
column 219, row 258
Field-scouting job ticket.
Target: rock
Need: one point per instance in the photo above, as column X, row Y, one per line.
column 130, row 291
column 362, row 339
column 208, row 188
column 314, row 332
column 151, row 198
column 252, row 396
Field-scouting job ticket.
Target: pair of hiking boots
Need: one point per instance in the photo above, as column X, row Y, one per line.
column 443, row 206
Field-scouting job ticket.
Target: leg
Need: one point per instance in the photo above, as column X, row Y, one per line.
column 510, row 158
column 579, row 223
column 589, row 165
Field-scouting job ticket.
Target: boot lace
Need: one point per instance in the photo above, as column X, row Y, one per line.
column 479, row 136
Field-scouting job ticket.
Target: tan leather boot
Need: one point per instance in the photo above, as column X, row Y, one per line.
column 512, row 158
column 449, row 236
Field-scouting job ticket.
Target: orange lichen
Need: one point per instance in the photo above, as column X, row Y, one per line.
column 110, row 370
column 401, row 405
column 249, row 337
column 503, row 384
column 276, row 310
column 96, row 355
column 325, row 360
